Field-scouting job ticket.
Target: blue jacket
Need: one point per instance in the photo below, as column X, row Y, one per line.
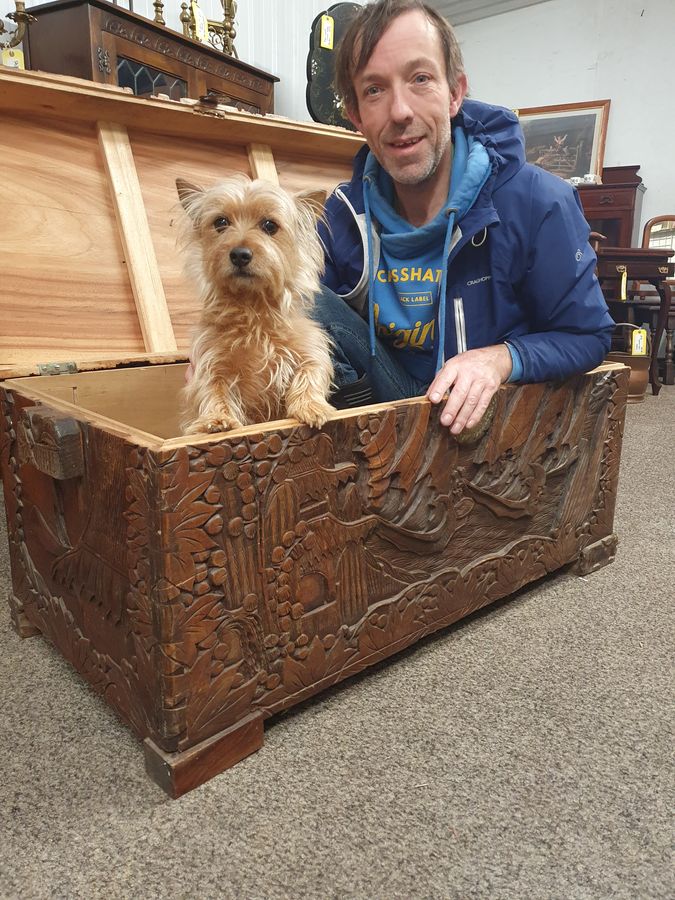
column 520, row 265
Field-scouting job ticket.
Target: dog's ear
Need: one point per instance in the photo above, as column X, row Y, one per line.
column 188, row 194
column 315, row 200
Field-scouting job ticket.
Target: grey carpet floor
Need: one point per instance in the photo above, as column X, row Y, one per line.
column 524, row 753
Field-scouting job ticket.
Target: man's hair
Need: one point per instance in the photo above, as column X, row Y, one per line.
column 366, row 29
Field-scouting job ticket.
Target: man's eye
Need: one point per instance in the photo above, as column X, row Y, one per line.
column 221, row 223
column 421, row 79
column 269, row 227
column 372, row 91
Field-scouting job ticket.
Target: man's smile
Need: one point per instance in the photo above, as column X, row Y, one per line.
column 403, row 143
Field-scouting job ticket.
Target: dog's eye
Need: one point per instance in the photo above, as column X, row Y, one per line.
column 269, row 227
column 221, row 223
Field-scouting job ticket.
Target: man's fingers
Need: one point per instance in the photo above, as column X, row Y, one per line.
column 470, row 417
column 457, row 400
column 441, row 383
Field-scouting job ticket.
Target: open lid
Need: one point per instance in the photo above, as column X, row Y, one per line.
column 91, row 274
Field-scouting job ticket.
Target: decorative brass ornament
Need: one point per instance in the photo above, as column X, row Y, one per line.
column 221, row 34
column 103, row 61
column 22, row 18
column 229, row 32
column 159, row 12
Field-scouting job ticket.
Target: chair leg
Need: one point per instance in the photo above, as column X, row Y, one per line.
column 669, row 374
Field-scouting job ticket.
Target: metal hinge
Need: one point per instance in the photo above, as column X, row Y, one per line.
column 57, row 368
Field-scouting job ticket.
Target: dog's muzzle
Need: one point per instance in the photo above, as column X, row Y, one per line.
column 241, row 257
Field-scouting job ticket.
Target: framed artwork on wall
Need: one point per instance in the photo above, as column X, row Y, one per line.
column 567, row 140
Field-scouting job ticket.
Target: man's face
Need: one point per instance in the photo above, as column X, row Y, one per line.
column 404, row 100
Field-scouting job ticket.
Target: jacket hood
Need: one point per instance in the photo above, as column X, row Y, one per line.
column 499, row 130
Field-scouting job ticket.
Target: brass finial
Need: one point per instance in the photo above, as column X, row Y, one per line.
column 229, row 32
column 186, row 20
column 159, row 10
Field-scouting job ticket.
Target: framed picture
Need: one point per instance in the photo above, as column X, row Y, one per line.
column 567, row 140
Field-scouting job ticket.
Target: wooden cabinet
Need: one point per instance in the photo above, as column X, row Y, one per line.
column 614, row 207
column 94, row 39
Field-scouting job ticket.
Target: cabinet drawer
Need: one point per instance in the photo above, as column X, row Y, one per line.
column 597, row 201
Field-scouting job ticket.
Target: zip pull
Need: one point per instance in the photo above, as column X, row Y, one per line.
column 482, row 239
column 460, row 325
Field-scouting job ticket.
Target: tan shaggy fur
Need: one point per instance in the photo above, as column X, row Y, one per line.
column 257, row 355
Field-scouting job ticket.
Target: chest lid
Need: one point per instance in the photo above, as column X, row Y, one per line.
column 91, row 274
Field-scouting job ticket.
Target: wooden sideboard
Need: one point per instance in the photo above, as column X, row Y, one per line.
column 108, row 44
column 614, row 207
column 639, row 264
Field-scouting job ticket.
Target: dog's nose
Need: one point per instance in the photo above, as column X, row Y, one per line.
column 241, row 257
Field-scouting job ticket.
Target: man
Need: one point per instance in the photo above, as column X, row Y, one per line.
column 463, row 267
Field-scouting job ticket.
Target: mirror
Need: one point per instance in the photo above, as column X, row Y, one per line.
column 659, row 232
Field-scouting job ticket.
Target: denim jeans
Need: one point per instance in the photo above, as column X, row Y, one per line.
column 351, row 352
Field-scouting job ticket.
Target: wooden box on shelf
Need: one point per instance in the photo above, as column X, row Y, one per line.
column 108, row 44
column 203, row 584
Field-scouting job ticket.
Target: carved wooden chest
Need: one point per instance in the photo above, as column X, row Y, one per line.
column 201, row 585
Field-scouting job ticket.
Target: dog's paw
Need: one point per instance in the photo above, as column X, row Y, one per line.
column 311, row 412
column 211, row 426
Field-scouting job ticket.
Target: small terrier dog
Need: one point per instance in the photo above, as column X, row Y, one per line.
column 255, row 254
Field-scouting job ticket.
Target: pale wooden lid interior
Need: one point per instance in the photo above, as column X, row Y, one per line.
column 91, row 269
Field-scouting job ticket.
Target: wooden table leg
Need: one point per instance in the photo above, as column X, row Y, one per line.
column 669, row 374
column 664, row 293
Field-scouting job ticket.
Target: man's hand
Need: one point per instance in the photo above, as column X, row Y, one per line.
column 474, row 377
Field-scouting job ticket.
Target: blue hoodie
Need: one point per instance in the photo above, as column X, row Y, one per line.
column 516, row 265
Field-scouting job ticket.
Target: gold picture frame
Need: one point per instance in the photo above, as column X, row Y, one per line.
column 568, row 139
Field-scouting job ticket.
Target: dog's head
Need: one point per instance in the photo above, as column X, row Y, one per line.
column 253, row 242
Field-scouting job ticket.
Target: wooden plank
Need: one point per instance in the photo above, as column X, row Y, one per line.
column 153, row 312
column 261, row 160
column 106, row 393
column 39, row 390
column 42, row 96
column 65, row 290
column 26, row 364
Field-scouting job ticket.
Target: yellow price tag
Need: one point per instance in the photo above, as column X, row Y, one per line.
column 327, row 32
column 639, row 342
column 13, row 58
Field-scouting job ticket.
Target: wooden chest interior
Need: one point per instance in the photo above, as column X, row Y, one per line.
column 203, row 584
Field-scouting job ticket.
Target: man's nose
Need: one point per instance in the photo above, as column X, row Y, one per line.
column 400, row 110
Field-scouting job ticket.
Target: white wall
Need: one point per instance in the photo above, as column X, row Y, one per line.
column 566, row 51
column 271, row 34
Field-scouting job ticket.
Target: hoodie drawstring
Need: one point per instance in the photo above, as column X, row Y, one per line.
column 371, row 263
column 440, row 356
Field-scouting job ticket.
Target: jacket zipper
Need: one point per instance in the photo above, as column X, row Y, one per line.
column 460, row 325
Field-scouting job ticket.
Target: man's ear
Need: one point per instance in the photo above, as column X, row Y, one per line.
column 353, row 116
column 457, row 94
column 188, row 194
